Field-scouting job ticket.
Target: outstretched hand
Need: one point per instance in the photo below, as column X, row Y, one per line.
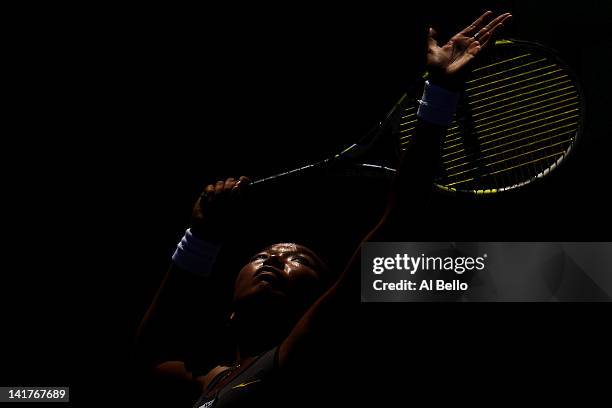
column 447, row 63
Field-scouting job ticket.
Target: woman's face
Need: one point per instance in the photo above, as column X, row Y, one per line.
column 285, row 274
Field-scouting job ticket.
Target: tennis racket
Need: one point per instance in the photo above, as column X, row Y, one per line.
column 519, row 118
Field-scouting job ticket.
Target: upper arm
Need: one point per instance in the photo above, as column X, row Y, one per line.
column 324, row 326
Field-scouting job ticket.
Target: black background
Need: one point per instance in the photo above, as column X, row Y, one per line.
column 120, row 115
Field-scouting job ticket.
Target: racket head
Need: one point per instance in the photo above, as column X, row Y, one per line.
column 519, row 118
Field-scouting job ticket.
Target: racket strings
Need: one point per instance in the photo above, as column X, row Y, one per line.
column 527, row 141
column 517, row 121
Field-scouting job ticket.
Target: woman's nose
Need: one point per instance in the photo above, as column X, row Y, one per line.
column 275, row 261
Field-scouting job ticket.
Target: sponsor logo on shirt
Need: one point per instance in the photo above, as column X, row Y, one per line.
column 244, row 384
column 208, row 404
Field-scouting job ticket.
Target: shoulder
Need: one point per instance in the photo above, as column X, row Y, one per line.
column 177, row 370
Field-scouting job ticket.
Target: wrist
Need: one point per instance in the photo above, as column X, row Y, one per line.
column 451, row 83
column 196, row 255
column 437, row 105
column 205, row 232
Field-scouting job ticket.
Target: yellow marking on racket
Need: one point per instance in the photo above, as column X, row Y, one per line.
column 442, row 187
column 487, row 191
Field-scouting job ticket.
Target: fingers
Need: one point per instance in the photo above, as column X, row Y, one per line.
column 243, row 181
column 219, row 187
column 497, row 21
column 229, row 184
column 241, row 185
column 209, row 192
column 474, row 49
column 219, row 208
column 475, row 26
column 223, row 188
column 487, row 32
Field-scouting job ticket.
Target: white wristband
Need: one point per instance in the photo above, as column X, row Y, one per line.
column 437, row 105
column 195, row 255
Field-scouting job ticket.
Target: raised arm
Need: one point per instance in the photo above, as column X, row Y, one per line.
column 187, row 315
column 412, row 187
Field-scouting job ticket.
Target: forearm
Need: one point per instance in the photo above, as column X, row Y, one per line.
column 413, row 186
column 169, row 319
column 411, row 192
column 185, row 307
column 188, row 315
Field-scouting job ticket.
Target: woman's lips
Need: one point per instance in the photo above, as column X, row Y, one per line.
column 268, row 274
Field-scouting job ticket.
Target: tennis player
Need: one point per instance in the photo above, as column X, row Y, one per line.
column 281, row 334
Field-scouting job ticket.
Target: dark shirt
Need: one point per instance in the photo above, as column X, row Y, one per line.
column 249, row 384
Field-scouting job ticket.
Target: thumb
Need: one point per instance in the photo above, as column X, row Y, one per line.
column 242, row 186
column 431, row 37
